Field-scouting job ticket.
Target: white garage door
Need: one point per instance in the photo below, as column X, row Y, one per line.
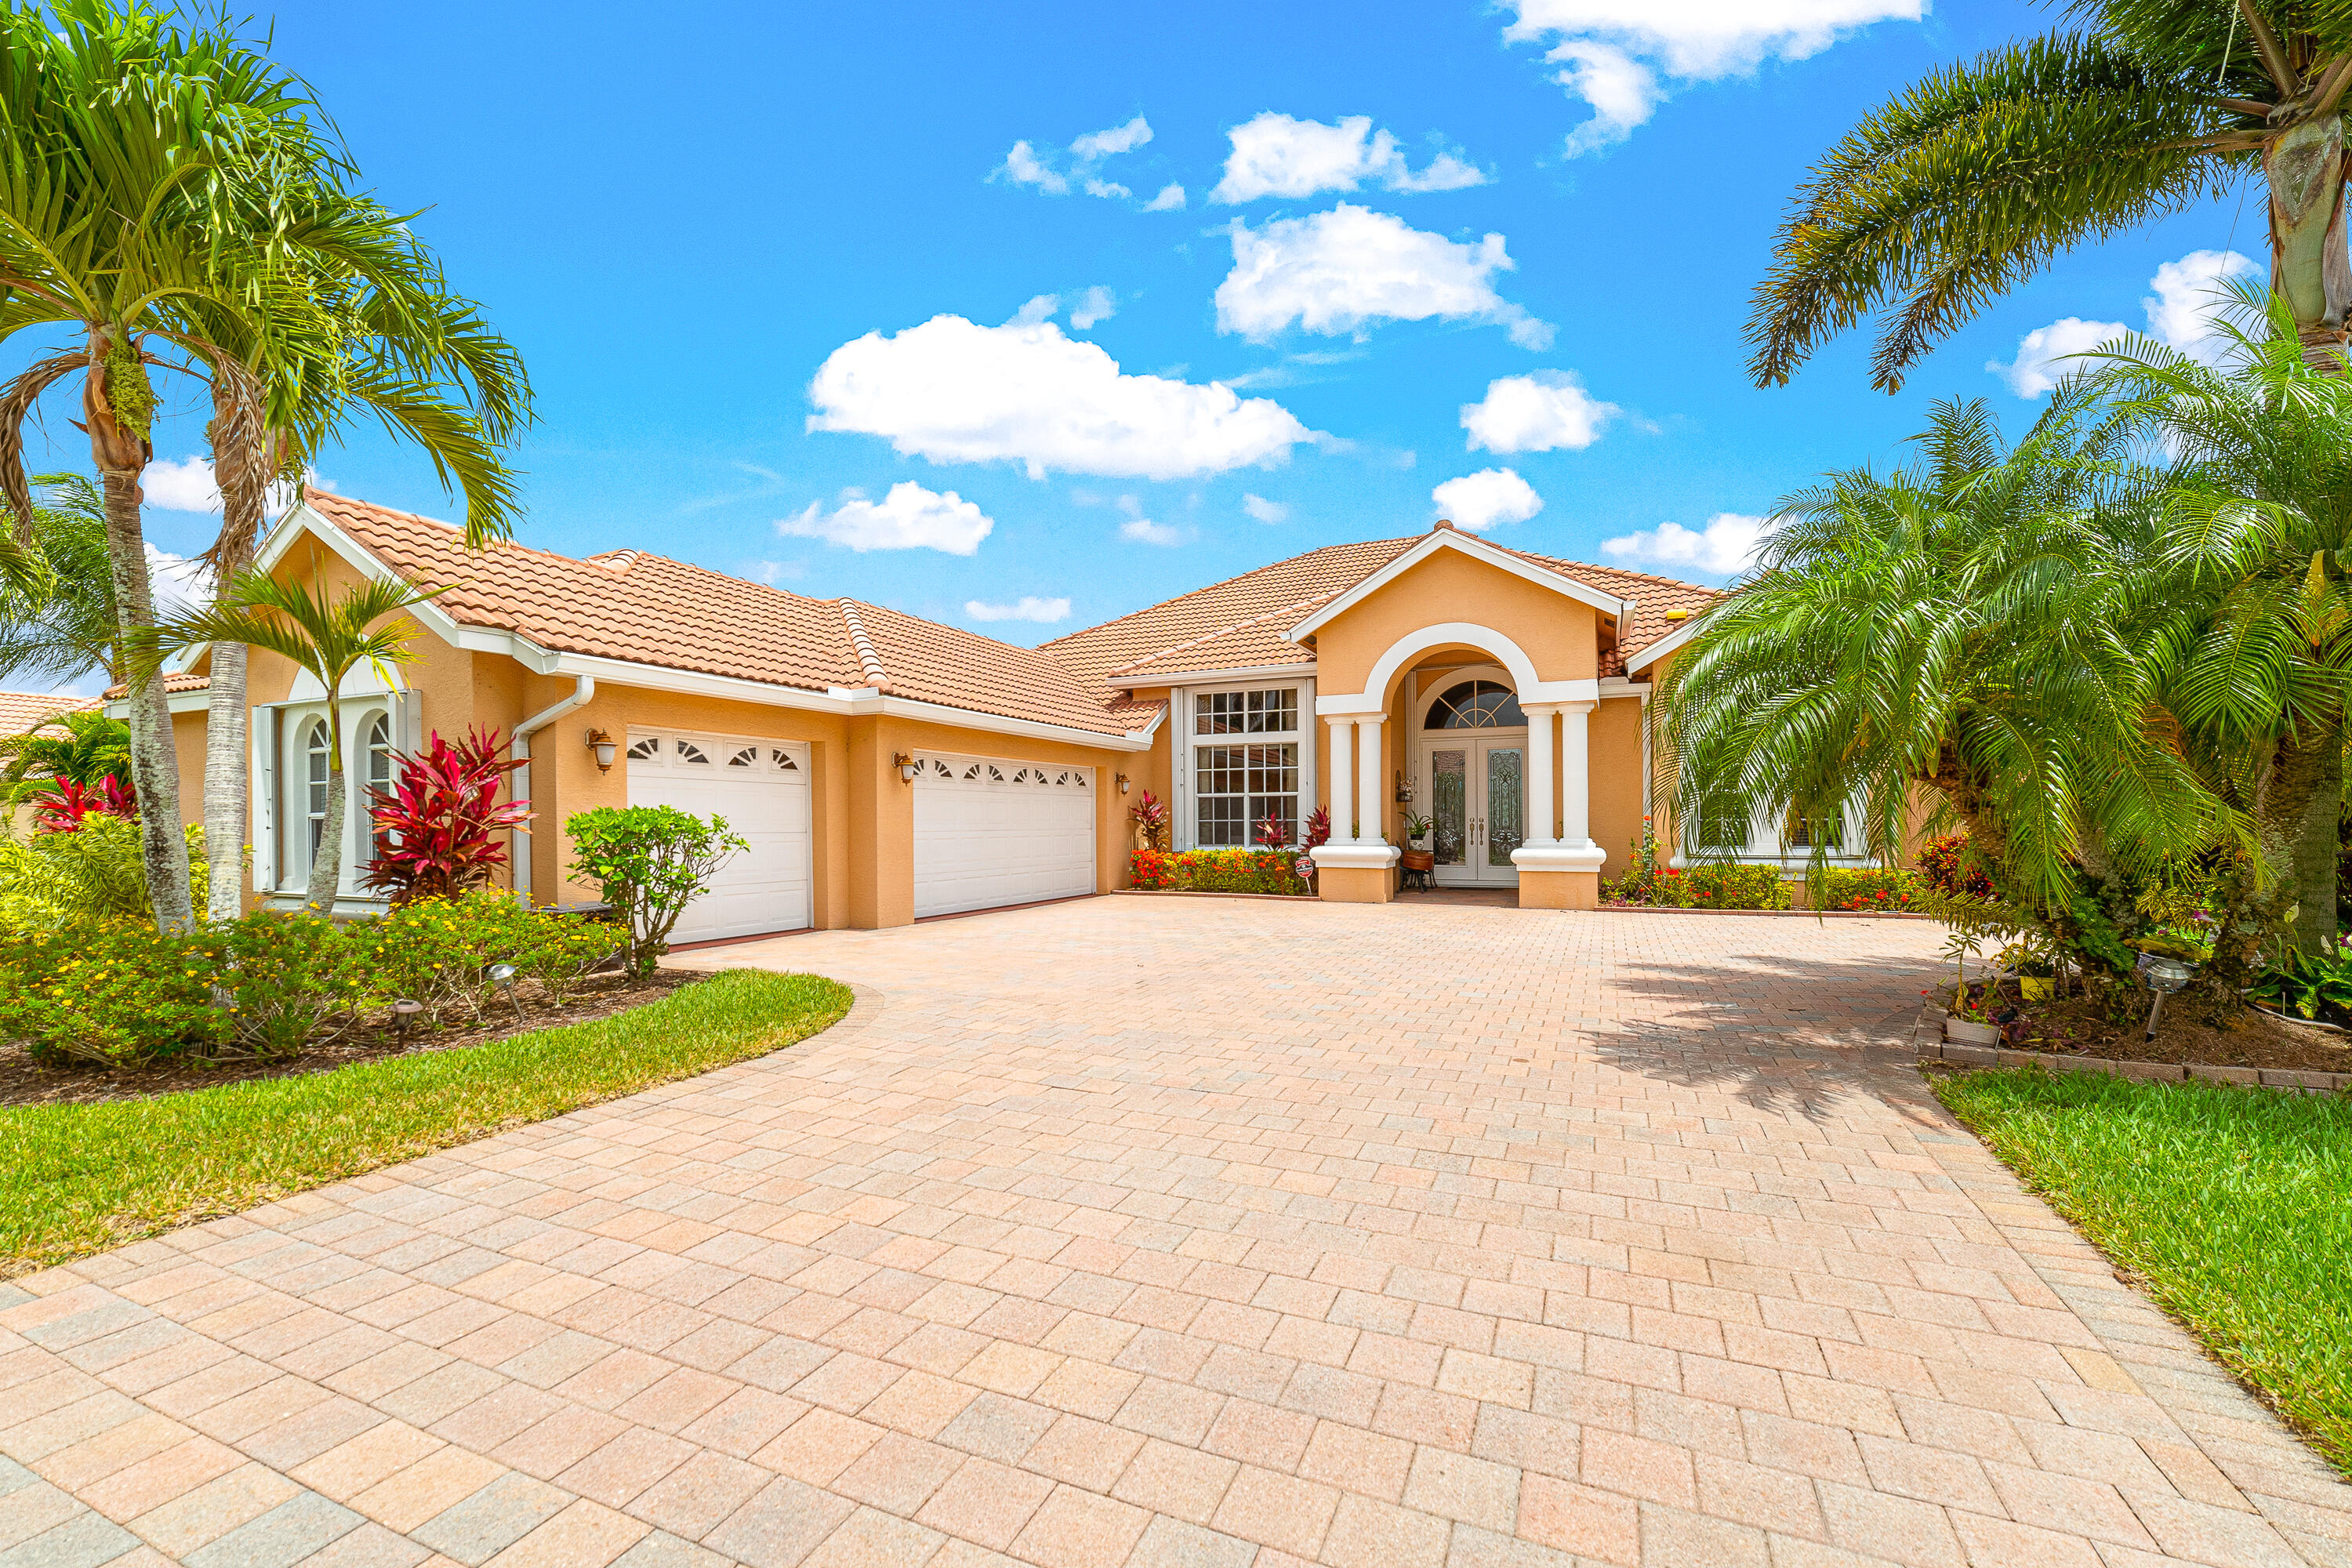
column 762, row 788
column 990, row 831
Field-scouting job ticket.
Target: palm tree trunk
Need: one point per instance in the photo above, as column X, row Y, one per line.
column 226, row 780
column 327, row 865
column 2307, row 797
column 2310, row 267
column 154, row 762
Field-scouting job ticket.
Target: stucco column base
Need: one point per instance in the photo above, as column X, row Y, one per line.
column 1560, row 875
column 1355, row 884
column 1559, row 890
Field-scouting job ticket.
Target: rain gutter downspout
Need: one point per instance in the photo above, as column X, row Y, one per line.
column 582, row 693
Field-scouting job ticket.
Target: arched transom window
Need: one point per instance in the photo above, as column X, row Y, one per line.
column 1478, row 705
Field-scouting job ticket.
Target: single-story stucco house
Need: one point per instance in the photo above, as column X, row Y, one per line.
column 886, row 768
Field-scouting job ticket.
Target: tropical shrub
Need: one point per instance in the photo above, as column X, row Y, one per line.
column 94, row 871
column 1726, row 885
column 1644, row 875
column 651, row 861
column 80, row 748
column 436, row 827
column 61, row 807
column 1151, row 818
column 2309, row 985
column 1844, row 889
column 285, row 977
column 1946, row 866
column 113, row 993
column 1217, row 872
column 439, row 952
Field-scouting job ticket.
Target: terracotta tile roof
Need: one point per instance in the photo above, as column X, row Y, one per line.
column 1238, row 624
column 642, row 608
column 173, row 684
column 20, row 710
column 1159, row 631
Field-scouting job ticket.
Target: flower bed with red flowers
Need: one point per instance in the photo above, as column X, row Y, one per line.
column 1217, row 872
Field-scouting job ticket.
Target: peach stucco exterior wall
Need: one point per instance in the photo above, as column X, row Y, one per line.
column 1559, row 636
column 1613, row 743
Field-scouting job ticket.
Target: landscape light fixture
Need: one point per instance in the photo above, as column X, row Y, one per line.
column 502, row 976
column 907, row 766
column 1122, row 783
column 402, row 1012
column 2164, row 976
column 606, row 749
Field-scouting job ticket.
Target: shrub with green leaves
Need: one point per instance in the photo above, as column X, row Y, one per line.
column 112, row 993
column 1727, row 884
column 1869, row 889
column 292, row 980
column 651, row 862
column 94, row 872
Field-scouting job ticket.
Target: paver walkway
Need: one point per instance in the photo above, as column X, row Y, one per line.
column 1182, row 1232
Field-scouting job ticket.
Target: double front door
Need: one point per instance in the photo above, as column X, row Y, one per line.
column 1477, row 804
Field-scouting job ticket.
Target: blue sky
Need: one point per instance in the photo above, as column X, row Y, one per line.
column 705, row 226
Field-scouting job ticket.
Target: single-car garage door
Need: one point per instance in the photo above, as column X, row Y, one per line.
column 762, row 788
column 990, row 831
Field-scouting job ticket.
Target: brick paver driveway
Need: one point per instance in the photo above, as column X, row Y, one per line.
column 1156, row 1231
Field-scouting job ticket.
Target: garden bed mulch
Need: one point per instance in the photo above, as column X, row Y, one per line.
column 24, row 1081
column 2072, row 1030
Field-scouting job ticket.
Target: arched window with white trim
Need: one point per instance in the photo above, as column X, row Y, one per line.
column 314, row 804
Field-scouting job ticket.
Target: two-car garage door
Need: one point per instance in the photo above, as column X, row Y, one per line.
column 990, row 831
column 762, row 788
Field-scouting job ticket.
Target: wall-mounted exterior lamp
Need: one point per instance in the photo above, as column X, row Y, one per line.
column 1122, row 783
column 602, row 745
column 907, row 766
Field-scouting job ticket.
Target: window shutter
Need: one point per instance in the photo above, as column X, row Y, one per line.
column 263, row 734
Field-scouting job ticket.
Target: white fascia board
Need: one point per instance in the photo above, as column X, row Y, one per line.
column 433, row 618
column 1618, row 686
column 1128, row 680
column 1664, row 645
column 1477, row 549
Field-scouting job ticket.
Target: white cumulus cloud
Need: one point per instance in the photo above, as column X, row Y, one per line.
column 1143, row 531
column 1537, row 412
column 908, row 518
column 2188, row 295
column 1342, row 270
column 1618, row 55
column 1723, row 547
column 1488, row 499
column 185, row 484
column 957, row 392
column 1096, row 304
column 178, row 585
column 1028, row 607
column 1027, row 164
column 1265, row 510
column 1170, row 199
column 1274, row 155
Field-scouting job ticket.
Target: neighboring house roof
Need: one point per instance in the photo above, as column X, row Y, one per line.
column 20, row 710
column 1239, row 624
column 642, row 608
column 173, row 685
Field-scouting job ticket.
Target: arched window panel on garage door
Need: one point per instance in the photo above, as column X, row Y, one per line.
column 760, row 788
column 991, row 831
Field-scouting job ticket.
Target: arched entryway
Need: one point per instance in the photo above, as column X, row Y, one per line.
column 1469, row 770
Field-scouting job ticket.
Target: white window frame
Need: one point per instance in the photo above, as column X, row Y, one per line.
column 1767, row 844
column 1186, row 743
column 281, row 859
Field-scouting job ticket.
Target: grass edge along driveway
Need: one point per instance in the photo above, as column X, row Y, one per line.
column 2234, row 1206
column 80, row 1179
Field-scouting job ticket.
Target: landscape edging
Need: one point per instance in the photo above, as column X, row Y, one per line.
column 2303, row 1079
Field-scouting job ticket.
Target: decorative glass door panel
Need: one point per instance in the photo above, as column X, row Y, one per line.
column 1507, row 803
column 1449, row 807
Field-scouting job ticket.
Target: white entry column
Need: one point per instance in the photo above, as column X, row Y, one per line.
column 1369, row 779
column 1540, row 820
column 1342, row 804
column 1576, row 777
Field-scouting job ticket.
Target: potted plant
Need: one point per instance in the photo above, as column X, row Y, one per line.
column 1970, row 1020
column 1417, row 855
column 2033, row 968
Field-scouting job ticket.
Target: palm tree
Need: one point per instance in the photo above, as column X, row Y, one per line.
column 1963, row 627
column 403, row 341
column 1976, row 177
column 2247, row 587
column 126, row 147
column 328, row 638
column 60, row 624
column 86, row 747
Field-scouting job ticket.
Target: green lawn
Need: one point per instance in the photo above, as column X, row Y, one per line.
column 77, row 1179
column 2235, row 1204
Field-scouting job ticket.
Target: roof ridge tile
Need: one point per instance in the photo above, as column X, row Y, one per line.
column 868, row 660
column 1178, row 647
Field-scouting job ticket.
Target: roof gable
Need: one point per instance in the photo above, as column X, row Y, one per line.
column 1443, row 537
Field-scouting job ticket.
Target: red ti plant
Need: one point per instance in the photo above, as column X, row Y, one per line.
column 433, row 828
column 61, row 809
column 1273, row 831
column 1319, row 829
column 1150, row 819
